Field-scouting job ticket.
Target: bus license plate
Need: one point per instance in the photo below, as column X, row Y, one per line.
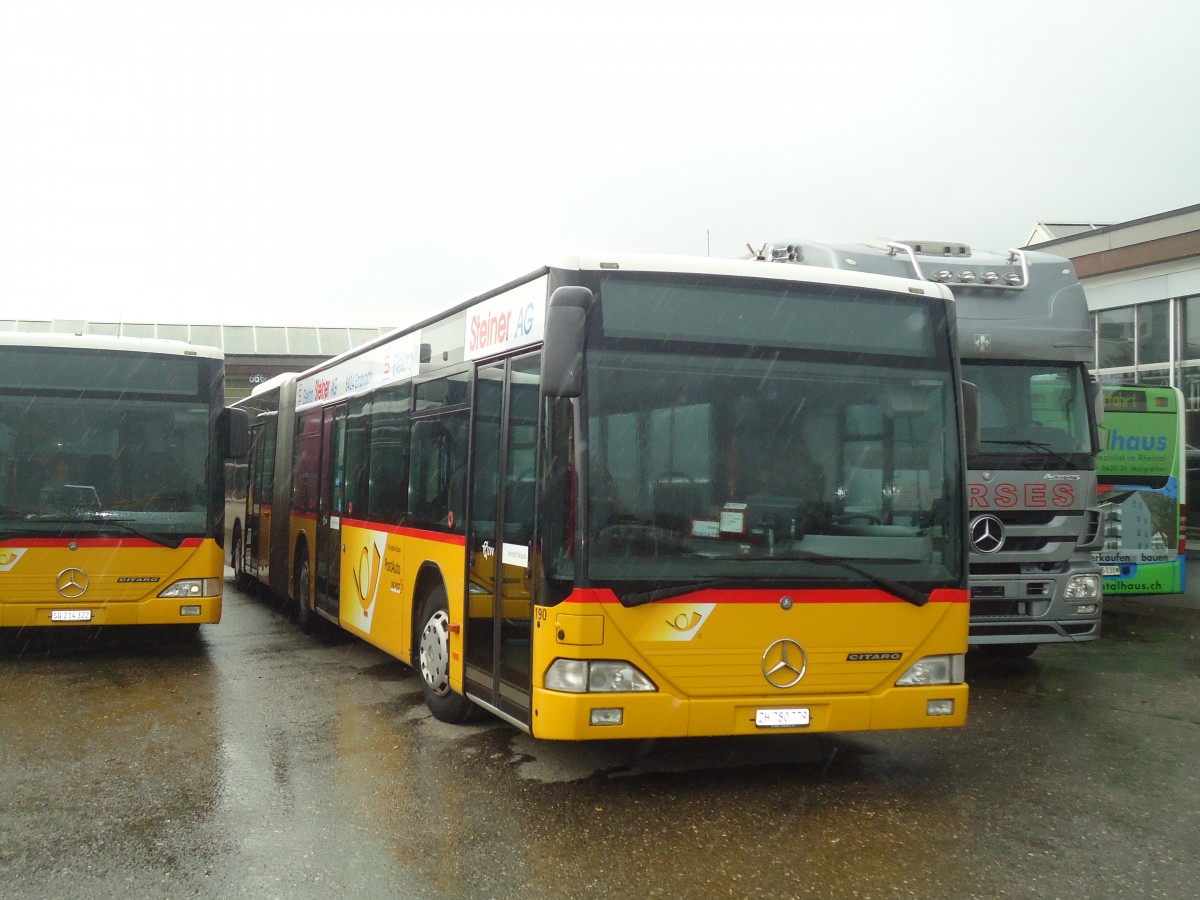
column 70, row 615
column 781, row 718
column 1110, row 570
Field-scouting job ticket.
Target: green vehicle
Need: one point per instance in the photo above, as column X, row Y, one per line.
column 1142, row 483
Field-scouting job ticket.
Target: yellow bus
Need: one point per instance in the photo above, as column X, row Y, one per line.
column 631, row 496
column 112, row 453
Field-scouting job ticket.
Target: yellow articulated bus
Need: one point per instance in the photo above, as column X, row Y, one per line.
column 634, row 496
column 112, row 453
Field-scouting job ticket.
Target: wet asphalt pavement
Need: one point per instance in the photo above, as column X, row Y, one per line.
column 252, row 761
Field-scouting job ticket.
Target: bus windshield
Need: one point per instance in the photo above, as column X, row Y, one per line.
column 704, row 467
column 1032, row 410
column 112, row 456
column 795, row 435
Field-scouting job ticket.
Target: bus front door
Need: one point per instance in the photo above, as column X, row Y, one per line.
column 332, row 508
column 499, row 590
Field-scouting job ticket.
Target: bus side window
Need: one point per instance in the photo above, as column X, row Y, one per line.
column 389, row 455
column 357, row 453
column 308, row 458
column 437, row 481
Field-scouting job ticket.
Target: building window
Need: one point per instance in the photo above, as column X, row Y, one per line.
column 172, row 332
column 1190, row 328
column 1154, row 333
column 239, row 339
column 270, row 339
column 1154, row 377
column 1115, row 328
column 207, row 335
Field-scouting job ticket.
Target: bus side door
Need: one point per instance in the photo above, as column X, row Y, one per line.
column 331, row 510
column 261, row 489
column 498, row 632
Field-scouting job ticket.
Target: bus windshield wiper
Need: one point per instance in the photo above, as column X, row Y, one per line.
column 906, row 593
column 898, row 588
column 101, row 519
column 172, row 541
column 6, row 533
column 1036, row 445
column 641, row 598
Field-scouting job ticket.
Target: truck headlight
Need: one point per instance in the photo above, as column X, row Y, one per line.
column 949, row 669
column 1083, row 587
column 596, row 676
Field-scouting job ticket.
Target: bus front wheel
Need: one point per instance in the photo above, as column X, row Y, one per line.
column 433, row 662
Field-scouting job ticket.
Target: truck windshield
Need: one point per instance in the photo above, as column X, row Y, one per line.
column 1032, row 414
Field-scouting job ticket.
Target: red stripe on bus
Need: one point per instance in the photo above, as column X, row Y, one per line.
column 408, row 531
column 189, row 543
column 773, row 595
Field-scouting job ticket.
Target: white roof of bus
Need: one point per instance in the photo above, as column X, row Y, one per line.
column 745, row 268
column 272, row 383
column 650, row 262
column 107, row 342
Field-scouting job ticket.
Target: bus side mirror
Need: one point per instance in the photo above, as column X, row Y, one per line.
column 971, row 416
column 1097, row 400
column 562, row 350
column 234, row 426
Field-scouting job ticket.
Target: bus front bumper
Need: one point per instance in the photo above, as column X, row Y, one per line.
column 564, row 716
column 156, row 611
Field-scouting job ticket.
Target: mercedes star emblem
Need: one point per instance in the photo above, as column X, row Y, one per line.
column 71, row 583
column 987, row 534
column 783, row 663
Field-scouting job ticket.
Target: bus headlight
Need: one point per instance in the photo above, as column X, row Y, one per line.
column 1083, row 587
column 193, row 587
column 596, row 676
column 949, row 669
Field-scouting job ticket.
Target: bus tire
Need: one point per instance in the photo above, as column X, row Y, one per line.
column 306, row 616
column 240, row 579
column 433, row 661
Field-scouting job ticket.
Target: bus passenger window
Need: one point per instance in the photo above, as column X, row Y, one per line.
column 437, row 481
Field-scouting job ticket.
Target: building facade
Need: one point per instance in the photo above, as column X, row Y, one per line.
column 1142, row 280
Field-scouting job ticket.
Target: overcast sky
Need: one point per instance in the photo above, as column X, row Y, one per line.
column 365, row 163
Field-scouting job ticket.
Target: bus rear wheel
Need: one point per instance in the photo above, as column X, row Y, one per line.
column 433, row 662
column 240, row 579
column 306, row 616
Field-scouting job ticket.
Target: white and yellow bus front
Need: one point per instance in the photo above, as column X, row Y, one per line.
column 111, row 498
column 752, row 519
